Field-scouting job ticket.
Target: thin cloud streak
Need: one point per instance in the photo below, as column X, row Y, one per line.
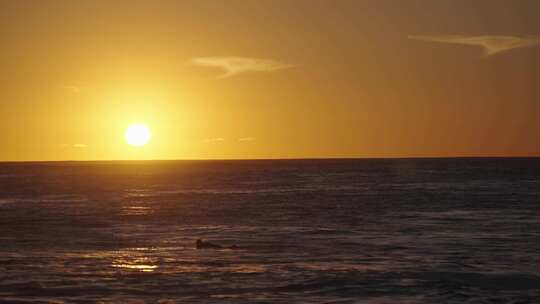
column 246, row 139
column 233, row 66
column 214, row 140
column 72, row 88
column 77, row 146
column 490, row 44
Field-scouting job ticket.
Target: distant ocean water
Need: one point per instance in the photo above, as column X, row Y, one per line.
column 310, row 231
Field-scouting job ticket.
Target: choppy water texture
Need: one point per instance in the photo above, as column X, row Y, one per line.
column 312, row 231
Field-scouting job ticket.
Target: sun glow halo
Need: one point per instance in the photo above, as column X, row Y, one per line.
column 137, row 135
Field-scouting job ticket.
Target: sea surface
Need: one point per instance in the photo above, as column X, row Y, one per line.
column 308, row 231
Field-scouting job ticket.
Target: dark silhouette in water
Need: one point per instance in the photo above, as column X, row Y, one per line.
column 200, row 244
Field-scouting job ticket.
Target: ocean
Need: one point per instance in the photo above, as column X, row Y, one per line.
column 464, row 230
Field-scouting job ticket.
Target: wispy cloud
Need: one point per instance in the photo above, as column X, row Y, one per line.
column 246, row 139
column 77, row 146
column 214, row 140
column 233, row 66
column 491, row 44
column 74, row 88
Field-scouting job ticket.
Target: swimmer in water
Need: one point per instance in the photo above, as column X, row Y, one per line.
column 200, row 244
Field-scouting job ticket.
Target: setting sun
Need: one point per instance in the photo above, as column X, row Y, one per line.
column 137, row 135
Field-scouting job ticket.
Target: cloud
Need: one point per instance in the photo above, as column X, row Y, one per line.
column 73, row 88
column 491, row 44
column 233, row 66
column 77, row 146
column 214, row 140
column 246, row 139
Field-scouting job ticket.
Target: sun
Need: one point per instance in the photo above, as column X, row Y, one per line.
column 137, row 135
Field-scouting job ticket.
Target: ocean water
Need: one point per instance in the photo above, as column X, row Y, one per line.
column 309, row 231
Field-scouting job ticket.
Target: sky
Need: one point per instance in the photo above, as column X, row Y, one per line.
column 269, row 79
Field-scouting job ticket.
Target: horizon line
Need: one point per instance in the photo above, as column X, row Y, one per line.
column 266, row 159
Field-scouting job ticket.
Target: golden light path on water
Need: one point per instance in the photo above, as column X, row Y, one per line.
column 130, row 261
column 141, row 267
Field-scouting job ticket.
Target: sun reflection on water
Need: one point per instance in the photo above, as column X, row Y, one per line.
column 134, row 261
column 140, row 267
column 135, row 202
column 137, row 210
column 138, row 263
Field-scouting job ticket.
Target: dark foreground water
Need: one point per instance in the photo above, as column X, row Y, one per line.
column 313, row 231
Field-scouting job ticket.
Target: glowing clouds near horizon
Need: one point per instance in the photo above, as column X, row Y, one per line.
column 233, row 66
column 491, row 45
column 137, row 135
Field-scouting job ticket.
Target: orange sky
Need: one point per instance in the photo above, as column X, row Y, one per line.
column 269, row 79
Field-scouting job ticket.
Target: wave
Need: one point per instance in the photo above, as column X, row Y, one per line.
column 51, row 198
